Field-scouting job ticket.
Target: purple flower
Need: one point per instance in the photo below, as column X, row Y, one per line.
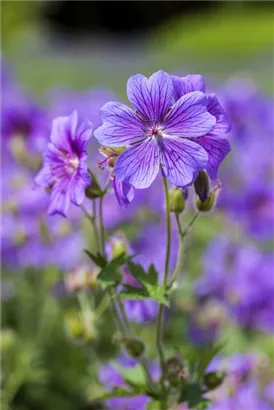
column 158, row 133
column 213, row 142
column 124, row 192
column 64, row 169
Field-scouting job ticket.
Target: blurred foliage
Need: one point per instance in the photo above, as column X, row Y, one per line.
column 235, row 30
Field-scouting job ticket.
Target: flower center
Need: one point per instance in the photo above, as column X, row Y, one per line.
column 72, row 164
column 156, row 132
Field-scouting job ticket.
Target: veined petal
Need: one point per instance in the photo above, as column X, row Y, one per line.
column 124, row 192
column 187, row 84
column 181, row 159
column 138, row 165
column 44, row 177
column 121, row 126
column 217, row 149
column 63, row 128
column 83, row 134
column 59, row 200
column 152, row 96
column 222, row 125
column 78, row 186
column 189, row 117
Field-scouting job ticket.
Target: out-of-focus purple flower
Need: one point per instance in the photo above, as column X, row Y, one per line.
column 214, row 143
column 157, row 133
column 64, row 170
column 241, row 278
column 241, row 388
column 24, row 124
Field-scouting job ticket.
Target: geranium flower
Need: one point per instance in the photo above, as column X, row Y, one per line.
column 158, row 134
column 64, row 169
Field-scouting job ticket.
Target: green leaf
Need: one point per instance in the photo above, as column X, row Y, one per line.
column 149, row 284
column 97, row 258
column 110, row 274
column 117, row 392
column 205, row 357
column 192, row 393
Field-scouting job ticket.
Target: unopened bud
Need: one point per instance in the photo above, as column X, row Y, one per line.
column 94, row 190
column 118, row 245
column 213, row 380
column 176, row 200
column 133, row 346
column 81, row 278
column 79, row 328
column 207, row 205
column 175, row 370
column 202, row 186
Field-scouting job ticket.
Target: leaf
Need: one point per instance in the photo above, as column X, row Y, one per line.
column 192, row 393
column 149, row 285
column 117, row 392
column 97, row 258
column 110, row 274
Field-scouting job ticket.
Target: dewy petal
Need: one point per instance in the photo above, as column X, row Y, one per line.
column 124, row 192
column 121, row 126
column 188, row 117
column 151, row 97
column 187, row 84
column 217, row 149
column 138, row 165
column 222, row 125
column 63, row 128
column 59, row 200
column 181, row 159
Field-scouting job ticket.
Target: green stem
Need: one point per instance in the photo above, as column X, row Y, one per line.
column 159, row 322
column 101, row 226
column 182, row 234
column 92, row 219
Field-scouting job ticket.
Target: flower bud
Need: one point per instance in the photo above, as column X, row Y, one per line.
column 176, row 200
column 175, row 370
column 213, row 380
column 81, row 278
column 133, row 346
column 80, row 329
column 202, row 186
column 207, row 205
column 118, row 245
column 93, row 191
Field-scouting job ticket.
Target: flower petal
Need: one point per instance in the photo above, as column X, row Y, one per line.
column 44, row 177
column 59, row 200
column 152, row 96
column 222, row 125
column 124, row 192
column 78, row 187
column 189, row 117
column 83, row 134
column 63, row 128
column 181, row 159
column 187, row 84
column 217, row 149
column 121, row 126
column 138, row 165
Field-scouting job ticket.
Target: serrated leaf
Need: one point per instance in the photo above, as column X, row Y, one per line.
column 97, row 258
column 149, row 285
column 110, row 274
column 192, row 394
